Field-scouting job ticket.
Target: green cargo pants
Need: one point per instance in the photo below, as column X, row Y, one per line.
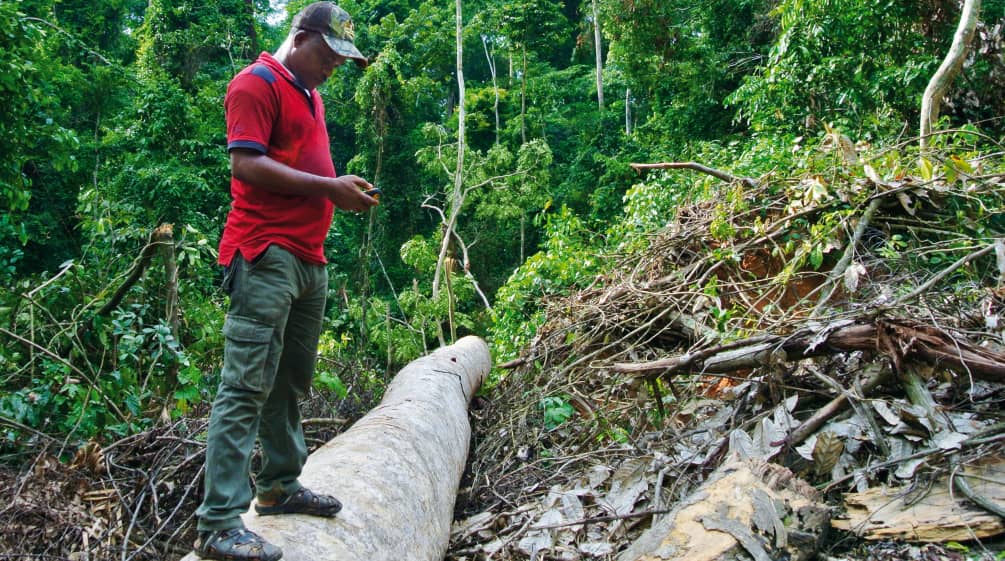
column 272, row 328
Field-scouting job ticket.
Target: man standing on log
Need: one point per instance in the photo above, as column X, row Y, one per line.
column 284, row 190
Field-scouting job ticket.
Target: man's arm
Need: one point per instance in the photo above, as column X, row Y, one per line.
column 255, row 168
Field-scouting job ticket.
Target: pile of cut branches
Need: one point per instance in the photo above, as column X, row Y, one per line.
column 844, row 324
column 132, row 499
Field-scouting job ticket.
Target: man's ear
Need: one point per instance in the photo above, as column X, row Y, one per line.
column 301, row 37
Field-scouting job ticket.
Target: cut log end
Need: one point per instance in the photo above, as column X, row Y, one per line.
column 747, row 506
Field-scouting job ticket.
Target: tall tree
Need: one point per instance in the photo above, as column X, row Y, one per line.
column 598, row 48
column 531, row 25
column 187, row 37
column 947, row 71
column 457, row 194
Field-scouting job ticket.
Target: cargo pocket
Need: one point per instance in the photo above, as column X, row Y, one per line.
column 246, row 354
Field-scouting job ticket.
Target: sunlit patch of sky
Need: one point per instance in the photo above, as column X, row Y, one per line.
column 277, row 12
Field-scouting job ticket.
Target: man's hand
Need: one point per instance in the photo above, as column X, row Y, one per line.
column 347, row 193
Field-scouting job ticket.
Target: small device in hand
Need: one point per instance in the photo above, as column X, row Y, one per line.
column 375, row 193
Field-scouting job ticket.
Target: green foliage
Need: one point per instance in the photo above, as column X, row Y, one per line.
column 556, row 410
column 568, row 260
column 114, row 378
column 532, row 24
column 325, row 377
column 184, row 38
column 419, row 253
column 412, row 327
column 820, row 69
column 683, row 59
column 40, row 147
column 20, row 85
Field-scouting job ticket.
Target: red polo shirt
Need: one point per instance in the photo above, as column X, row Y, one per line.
column 269, row 112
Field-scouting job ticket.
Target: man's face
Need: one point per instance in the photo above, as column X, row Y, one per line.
column 317, row 61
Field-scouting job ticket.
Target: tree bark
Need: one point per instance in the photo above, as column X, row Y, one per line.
column 746, row 506
column 950, row 67
column 397, row 470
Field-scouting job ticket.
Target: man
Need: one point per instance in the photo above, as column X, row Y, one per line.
column 284, row 190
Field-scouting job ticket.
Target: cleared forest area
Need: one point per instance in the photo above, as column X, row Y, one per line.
column 740, row 266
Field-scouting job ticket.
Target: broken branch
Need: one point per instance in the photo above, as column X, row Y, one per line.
column 719, row 174
column 933, row 345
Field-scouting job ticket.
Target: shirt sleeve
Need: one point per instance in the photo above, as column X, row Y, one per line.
column 251, row 107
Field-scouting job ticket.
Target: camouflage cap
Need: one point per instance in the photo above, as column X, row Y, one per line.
column 335, row 25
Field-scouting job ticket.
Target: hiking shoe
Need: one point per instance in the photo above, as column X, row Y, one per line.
column 304, row 501
column 236, row 544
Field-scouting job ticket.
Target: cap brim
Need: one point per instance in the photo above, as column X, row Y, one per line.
column 346, row 49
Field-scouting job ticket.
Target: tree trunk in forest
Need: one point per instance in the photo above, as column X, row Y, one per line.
column 457, row 196
column 523, row 97
column 461, row 108
column 523, row 235
column 380, row 128
column 950, row 67
column 397, row 470
column 598, row 47
column 628, row 112
column 495, row 85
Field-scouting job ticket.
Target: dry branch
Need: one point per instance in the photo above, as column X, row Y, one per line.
column 895, row 338
column 718, row 174
column 157, row 237
column 832, row 408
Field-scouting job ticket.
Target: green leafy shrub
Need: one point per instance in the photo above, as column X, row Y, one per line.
column 569, row 259
column 556, row 410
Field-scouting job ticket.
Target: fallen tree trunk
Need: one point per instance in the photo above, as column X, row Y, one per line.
column 397, row 470
column 896, row 338
column 746, row 506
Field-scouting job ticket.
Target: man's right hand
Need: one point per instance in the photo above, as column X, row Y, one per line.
column 347, row 193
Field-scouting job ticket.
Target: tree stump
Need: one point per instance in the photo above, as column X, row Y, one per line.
column 747, row 506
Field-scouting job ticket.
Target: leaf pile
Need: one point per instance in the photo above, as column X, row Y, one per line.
column 845, row 324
